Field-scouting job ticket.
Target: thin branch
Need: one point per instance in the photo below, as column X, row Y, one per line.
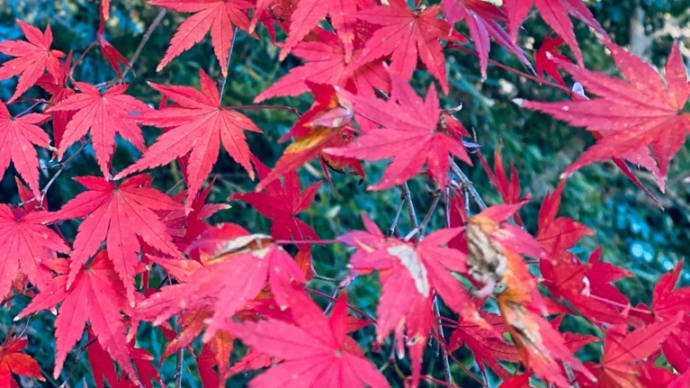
column 394, row 230
column 351, row 307
column 147, row 35
column 63, row 165
column 467, row 183
column 81, row 57
column 420, row 229
column 178, row 368
column 316, row 242
column 260, row 107
column 227, row 66
column 513, row 70
column 442, row 341
column 410, row 206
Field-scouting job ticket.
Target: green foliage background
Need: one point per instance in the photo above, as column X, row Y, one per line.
column 633, row 232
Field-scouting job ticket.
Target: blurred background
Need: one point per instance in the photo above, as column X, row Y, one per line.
column 632, row 230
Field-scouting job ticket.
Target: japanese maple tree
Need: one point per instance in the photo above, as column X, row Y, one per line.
column 131, row 271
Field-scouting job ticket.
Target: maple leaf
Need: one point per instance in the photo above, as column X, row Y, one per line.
column 316, row 350
column 409, row 274
column 308, row 13
column 204, row 288
column 220, row 16
column 101, row 115
column 32, row 58
column 487, row 346
column 325, row 124
column 644, row 111
column 197, row 126
column 25, row 241
column 418, row 33
column 327, row 63
column 666, row 303
column 13, row 361
column 483, row 22
column 509, row 188
column 57, row 87
column 411, row 135
column 18, row 135
column 544, row 59
column 110, row 211
column 281, row 202
column 102, row 366
column 96, row 296
column 623, row 351
column 555, row 13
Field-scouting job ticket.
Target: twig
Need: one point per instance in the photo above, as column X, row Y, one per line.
column 513, row 70
column 442, row 342
column 227, row 66
column 258, row 107
column 147, row 35
column 81, row 57
column 410, row 206
column 317, row 242
column 420, row 229
column 27, row 110
column 63, row 165
column 351, row 307
column 467, row 183
column 394, row 230
column 178, row 368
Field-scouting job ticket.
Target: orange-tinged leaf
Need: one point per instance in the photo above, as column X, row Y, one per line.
column 13, row 361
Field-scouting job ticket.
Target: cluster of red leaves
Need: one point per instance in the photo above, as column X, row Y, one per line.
column 231, row 284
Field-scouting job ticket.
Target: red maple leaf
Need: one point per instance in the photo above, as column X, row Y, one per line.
column 308, row 13
column 197, row 126
column 409, row 274
column 544, row 59
column 25, row 242
column 118, row 215
column 644, row 111
column 13, row 361
column 416, row 32
column 102, row 367
column 33, row 58
column 97, row 296
column 624, row 351
column 327, row 63
column 412, row 135
column 483, row 21
column 325, row 124
column 556, row 14
column 666, row 302
column 281, row 202
column 101, row 115
column 486, row 344
column 220, row 16
column 18, row 135
column 204, row 287
column 57, row 87
column 316, row 349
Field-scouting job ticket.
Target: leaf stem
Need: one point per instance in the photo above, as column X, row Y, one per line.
column 258, row 107
column 359, row 311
